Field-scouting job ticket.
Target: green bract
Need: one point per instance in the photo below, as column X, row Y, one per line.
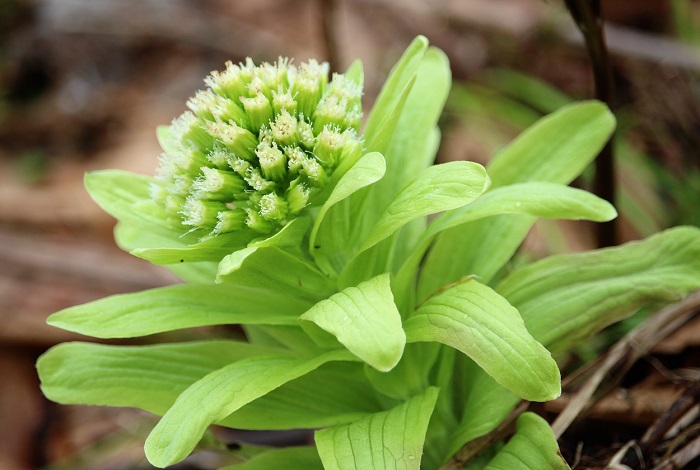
column 398, row 338
column 257, row 146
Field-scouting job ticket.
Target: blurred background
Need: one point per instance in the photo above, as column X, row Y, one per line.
column 84, row 83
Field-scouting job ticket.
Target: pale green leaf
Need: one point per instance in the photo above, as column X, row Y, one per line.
column 411, row 375
column 548, row 200
column 439, row 188
column 392, row 439
column 555, row 149
column 146, row 377
column 217, row 395
column 212, row 249
column 266, row 269
column 336, row 393
column 143, row 224
column 533, row 447
column 485, row 405
column 133, row 237
column 291, row 458
column 152, row 377
column 474, row 319
column 289, row 236
column 291, row 337
column 176, row 307
column 399, row 78
column 217, row 247
column 409, row 147
column 541, row 199
column 126, row 196
column 331, row 232
column 567, row 298
column 365, row 320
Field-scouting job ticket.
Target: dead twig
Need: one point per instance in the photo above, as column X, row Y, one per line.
column 660, row 427
column 621, row 357
column 681, row 458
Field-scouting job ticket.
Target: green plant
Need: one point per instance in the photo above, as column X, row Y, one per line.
column 362, row 318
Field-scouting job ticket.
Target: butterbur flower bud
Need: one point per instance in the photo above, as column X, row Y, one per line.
column 256, row 146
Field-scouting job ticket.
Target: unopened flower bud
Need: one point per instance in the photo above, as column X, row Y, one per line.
column 273, row 207
column 256, row 146
column 259, row 110
column 200, row 213
column 297, row 196
column 230, row 221
column 257, row 222
column 217, row 185
column 273, row 162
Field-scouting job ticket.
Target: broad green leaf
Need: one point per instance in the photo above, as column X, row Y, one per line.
column 131, row 237
column 143, row 224
column 292, row 458
column 408, row 142
column 217, row 247
column 439, row 188
column 217, row 395
column 533, row 447
column 567, row 298
column 474, row 319
column 409, row 150
column 390, row 440
column 485, row 405
column 549, row 200
column 266, row 269
column 410, row 376
column 289, row 236
column 399, row 78
column 291, row 337
column 152, row 377
column 212, row 249
column 541, row 199
column 445, row 416
column 332, row 229
column 146, row 377
column 176, row 307
column 555, row 149
column 336, row 393
column 126, row 197
column 365, row 320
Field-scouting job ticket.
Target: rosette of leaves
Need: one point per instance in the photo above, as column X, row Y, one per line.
column 398, row 337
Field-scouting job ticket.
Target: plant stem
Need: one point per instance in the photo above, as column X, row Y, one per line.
column 587, row 15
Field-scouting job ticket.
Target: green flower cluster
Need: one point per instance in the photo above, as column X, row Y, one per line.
column 257, row 146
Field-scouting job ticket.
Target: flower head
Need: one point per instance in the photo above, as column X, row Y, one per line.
column 257, row 145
